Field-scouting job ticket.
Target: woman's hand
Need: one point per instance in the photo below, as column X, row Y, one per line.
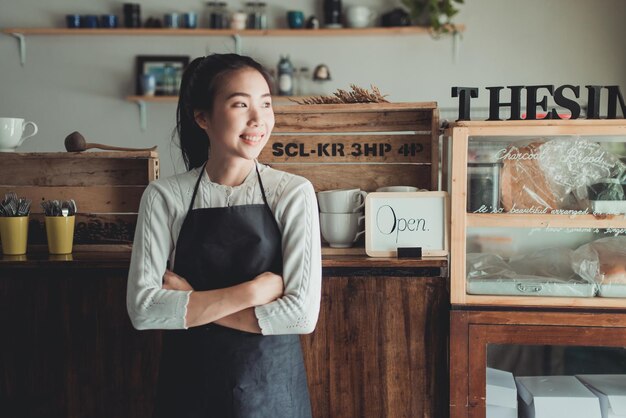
column 172, row 281
column 265, row 288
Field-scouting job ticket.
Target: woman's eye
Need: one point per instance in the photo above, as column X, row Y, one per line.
column 267, row 104
column 239, row 104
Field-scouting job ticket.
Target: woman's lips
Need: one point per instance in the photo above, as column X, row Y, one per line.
column 252, row 138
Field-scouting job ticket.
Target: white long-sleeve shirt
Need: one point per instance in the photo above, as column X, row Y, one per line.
column 161, row 213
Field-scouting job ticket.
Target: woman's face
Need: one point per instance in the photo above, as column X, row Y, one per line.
column 242, row 118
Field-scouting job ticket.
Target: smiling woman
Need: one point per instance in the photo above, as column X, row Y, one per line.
column 244, row 245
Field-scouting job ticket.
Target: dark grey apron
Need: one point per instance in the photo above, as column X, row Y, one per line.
column 215, row 371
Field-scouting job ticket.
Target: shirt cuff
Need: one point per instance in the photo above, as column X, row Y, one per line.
column 181, row 305
column 264, row 321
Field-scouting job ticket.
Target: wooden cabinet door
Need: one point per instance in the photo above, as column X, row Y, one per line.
column 69, row 349
column 473, row 332
column 380, row 348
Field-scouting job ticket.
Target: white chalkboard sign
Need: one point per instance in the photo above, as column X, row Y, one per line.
column 406, row 220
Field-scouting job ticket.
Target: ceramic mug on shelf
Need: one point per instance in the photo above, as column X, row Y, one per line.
column 170, row 20
column 341, row 200
column 341, row 230
column 190, row 20
column 12, row 131
column 238, row 20
column 108, row 21
column 148, row 84
column 358, row 16
column 295, row 19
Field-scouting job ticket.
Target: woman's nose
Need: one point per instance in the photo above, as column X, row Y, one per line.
column 254, row 118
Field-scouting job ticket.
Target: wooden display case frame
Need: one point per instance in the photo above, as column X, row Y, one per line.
column 456, row 147
column 472, row 331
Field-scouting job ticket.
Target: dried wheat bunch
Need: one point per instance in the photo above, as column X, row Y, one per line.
column 357, row 95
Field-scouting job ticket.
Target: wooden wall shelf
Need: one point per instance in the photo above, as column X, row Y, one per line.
column 21, row 33
column 407, row 30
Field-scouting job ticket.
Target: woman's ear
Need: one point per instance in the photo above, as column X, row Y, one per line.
column 201, row 118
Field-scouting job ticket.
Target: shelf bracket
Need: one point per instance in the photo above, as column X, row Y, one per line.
column 143, row 116
column 21, row 39
column 456, row 43
column 238, row 42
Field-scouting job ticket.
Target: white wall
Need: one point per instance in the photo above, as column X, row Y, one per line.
column 79, row 83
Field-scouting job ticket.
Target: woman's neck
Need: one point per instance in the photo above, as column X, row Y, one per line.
column 228, row 173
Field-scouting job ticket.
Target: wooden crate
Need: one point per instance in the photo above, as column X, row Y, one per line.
column 357, row 145
column 107, row 188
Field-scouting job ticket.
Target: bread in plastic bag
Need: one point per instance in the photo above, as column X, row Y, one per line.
column 604, row 262
column 523, row 182
column 554, row 174
column 546, row 272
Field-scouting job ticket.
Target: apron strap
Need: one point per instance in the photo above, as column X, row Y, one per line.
column 261, row 184
column 195, row 189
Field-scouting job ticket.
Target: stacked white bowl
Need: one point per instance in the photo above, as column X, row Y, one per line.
column 341, row 216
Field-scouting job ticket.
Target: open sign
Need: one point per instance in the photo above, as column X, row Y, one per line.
column 406, row 220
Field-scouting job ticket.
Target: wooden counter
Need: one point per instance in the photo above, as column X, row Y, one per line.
column 69, row 350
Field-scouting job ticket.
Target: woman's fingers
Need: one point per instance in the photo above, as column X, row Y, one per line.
column 172, row 281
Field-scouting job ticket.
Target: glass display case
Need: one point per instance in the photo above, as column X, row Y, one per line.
column 537, row 212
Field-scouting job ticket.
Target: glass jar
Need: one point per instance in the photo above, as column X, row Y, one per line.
column 223, row 13
column 217, row 15
column 257, row 18
column 483, row 187
column 302, row 83
column 332, row 13
column 132, row 15
column 262, row 9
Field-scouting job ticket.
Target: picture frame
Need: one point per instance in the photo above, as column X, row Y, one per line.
column 166, row 69
column 408, row 220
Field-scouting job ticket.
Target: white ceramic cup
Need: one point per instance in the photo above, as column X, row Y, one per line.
column 399, row 189
column 11, row 131
column 341, row 230
column 341, row 200
column 358, row 16
column 238, row 20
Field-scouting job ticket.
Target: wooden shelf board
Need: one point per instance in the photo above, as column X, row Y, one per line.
column 506, row 220
column 356, row 257
column 534, row 301
column 374, row 31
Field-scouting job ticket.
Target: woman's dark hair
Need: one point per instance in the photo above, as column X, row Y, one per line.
column 198, row 87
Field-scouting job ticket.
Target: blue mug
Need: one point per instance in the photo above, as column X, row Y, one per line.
column 170, row 20
column 148, row 84
column 190, row 20
column 72, row 21
column 108, row 21
column 295, row 19
column 89, row 21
